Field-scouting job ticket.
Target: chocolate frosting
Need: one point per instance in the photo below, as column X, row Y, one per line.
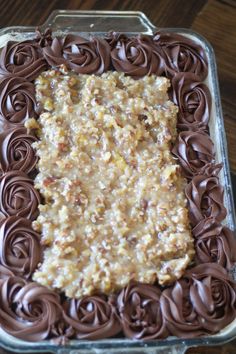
column 113, row 37
column 28, row 310
column 210, row 169
column 79, row 54
column 213, row 296
column 181, row 55
column 16, row 150
column 17, row 100
column 214, row 243
column 193, row 99
column 203, row 302
column 179, row 315
column 205, row 199
column 140, row 312
column 44, row 39
column 22, row 59
column 18, row 196
column 137, row 57
column 5, row 273
column 193, row 127
column 20, row 249
column 62, row 332
column 194, row 150
column 92, row 317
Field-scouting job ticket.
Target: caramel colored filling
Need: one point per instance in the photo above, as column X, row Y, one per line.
column 114, row 206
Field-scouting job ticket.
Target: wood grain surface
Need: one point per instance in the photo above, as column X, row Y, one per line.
column 214, row 19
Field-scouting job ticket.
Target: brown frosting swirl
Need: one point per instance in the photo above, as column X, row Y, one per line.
column 137, row 57
column 179, row 314
column 92, row 317
column 44, row 39
column 113, row 37
column 193, row 127
column 61, row 332
column 181, row 55
column 213, row 296
column 22, row 59
column 140, row 312
column 214, row 243
column 18, row 196
column 16, row 150
column 28, row 310
column 17, row 100
column 193, row 99
column 5, row 273
column 20, row 249
column 205, row 199
column 79, row 54
column 210, row 169
column 194, row 150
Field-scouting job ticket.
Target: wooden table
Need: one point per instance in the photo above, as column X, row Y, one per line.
column 214, row 19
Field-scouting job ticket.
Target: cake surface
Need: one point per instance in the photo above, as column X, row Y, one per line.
column 203, row 300
column 113, row 193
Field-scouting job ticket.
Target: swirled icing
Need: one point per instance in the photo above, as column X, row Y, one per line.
column 137, row 57
column 20, row 249
column 181, row 55
column 22, row 59
column 17, row 101
column 18, row 197
column 16, row 150
column 28, row 310
column 79, row 54
column 205, row 199
column 92, row 317
column 139, row 308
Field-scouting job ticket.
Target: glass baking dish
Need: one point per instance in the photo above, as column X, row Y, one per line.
column 131, row 23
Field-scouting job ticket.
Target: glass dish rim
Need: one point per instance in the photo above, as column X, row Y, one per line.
column 172, row 343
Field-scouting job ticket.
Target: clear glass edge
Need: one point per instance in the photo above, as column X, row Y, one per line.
column 115, row 345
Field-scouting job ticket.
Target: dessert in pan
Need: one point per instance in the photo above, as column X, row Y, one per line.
column 110, row 202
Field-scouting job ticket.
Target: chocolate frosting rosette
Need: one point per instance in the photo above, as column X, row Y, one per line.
column 79, row 54
column 203, row 302
column 18, row 197
column 194, row 150
column 137, row 57
column 20, row 249
column 92, row 317
column 16, row 150
column 181, row 55
column 28, row 310
column 140, row 312
column 214, row 243
column 17, row 101
column 193, row 100
column 205, row 199
column 179, row 314
column 22, row 59
column 213, row 296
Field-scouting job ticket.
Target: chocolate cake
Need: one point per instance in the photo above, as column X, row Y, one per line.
column 203, row 300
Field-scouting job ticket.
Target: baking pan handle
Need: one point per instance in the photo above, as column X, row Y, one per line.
column 99, row 21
